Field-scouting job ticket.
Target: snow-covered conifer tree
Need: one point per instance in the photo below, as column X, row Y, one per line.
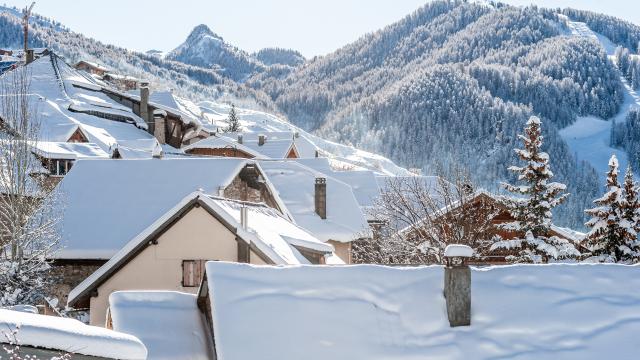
column 630, row 219
column 614, row 221
column 234, row 122
column 532, row 205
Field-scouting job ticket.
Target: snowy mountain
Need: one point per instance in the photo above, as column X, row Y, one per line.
column 453, row 83
column 206, row 49
column 450, row 84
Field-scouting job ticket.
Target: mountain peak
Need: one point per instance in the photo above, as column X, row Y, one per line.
column 202, row 30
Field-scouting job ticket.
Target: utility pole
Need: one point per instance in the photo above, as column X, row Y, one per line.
column 26, row 13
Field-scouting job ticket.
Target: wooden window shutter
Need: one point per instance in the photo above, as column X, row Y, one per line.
column 192, row 272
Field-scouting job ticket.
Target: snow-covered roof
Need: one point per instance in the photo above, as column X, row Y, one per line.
column 267, row 232
column 364, row 183
column 274, row 235
column 70, row 335
column 221, row 142
column 274, row 147
column 66, row 150
column 148, row 315
column 108, row 202
column 67, row 100
column 93, row 65
column 375, row 312
column 295, row 185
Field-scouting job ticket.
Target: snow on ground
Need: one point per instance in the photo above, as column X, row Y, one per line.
column 151, row 315
column 374, row 313
column 56, row 333
column 253, row 121
column 589, row 137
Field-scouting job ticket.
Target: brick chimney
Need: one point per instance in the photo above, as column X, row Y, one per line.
column 261, row 140
column 321, row 197
column 159, row 125
column 144, row 103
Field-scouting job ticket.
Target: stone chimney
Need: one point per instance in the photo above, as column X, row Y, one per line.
column 321, row 197
column 239, row 138
column 159, row 125
column 457, row 284
column 261, row 139
column 144, row 103
column 29, row 56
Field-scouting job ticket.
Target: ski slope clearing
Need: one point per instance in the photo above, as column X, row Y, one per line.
column 381, row 313
column 589, row 137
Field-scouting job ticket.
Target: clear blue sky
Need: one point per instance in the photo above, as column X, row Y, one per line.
column 313, row 27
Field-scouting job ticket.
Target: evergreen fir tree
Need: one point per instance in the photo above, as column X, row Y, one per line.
column 532, row 206
column 630, row 219
column 612, row 236
column 234, row 122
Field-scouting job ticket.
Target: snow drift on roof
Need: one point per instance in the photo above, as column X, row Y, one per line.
column 150, row 315
column 70, row 335
column 374, row 312
column 109, row 202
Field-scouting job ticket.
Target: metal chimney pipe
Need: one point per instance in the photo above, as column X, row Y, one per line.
column 244, row 217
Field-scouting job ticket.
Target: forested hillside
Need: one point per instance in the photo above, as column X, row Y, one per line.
column 452, row 84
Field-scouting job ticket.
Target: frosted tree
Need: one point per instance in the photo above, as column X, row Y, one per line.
column 233, row 120
column 418, row 218
column 532, row 205
column 612, row 236
column 631, row 218
column 28, row 234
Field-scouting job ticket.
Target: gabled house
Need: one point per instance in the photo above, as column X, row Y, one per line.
column 221, row 146
column 482, row 203
column 170, row 253
column 91, row 67
column 59, row 157
column 269, row 145
column 106, row 203
column 324, row 206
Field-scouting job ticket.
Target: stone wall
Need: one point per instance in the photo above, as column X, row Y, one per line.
column 68, row 275
column 240, row 190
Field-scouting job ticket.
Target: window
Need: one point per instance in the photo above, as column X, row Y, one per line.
column 192, row 272
column 59, row 167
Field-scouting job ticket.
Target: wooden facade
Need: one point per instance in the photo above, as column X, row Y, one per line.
column 223, row 152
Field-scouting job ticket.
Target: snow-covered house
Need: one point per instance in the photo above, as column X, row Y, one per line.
column 271, row 145
column 47, row 337
column 171, row 252
column 482, row 203
column 324, row 206
column 148, row 315
column 72, row 107
column 375, row 312
column 91, row 67
column 221, row 146
column 106, row 203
